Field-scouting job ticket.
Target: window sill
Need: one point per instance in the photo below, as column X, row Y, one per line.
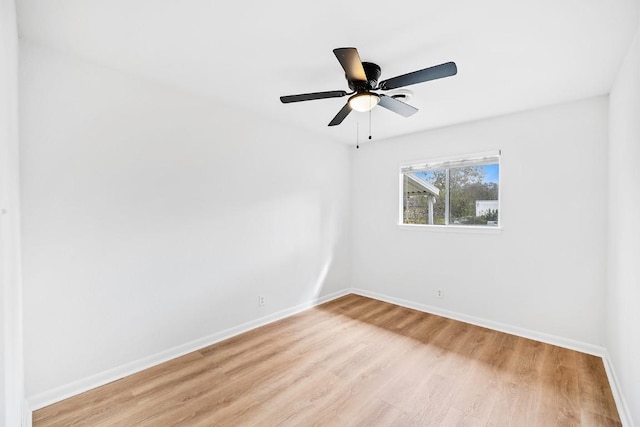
column 451, row 228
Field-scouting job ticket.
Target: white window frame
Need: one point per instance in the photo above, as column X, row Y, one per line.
column 468, row 159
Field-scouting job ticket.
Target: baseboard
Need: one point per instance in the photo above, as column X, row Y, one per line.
column 63, row 392
column 52, row 396
column 623, row 409
column 490, row 324
column 26, row 414
column 621, row 404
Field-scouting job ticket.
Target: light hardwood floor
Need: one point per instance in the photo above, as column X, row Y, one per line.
column 356, row 361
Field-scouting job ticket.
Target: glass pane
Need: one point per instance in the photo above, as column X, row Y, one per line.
column 419, row 197
column 473, row 195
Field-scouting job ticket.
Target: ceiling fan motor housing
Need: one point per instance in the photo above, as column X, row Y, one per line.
column 372, row 72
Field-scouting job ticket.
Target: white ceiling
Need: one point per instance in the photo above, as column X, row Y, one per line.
column 512, row 55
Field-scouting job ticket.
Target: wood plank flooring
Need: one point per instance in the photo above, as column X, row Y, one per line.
column 356, row 361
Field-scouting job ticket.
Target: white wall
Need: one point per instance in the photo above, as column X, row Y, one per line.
column 153, row 217
column 11, row 374
column 545, row 272
column 623, row 280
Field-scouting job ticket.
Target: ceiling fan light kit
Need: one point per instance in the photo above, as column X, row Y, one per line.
column 362, row 79
column 364, row 101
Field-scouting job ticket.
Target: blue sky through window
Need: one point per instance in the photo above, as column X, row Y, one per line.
column 491, row 173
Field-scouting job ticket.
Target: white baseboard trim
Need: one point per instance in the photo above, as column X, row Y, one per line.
column 490, row 324
column 60, row 393
column 621, row 404
column 623, row 409
column 26, row 414
column 68, row 390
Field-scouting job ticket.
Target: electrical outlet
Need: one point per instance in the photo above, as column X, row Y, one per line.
column 439, row 293
column 260, row 301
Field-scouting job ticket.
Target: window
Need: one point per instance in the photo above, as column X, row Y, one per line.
column 463, row 192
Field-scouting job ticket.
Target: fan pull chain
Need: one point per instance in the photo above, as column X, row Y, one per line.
column 370, row 124
column 357, row 135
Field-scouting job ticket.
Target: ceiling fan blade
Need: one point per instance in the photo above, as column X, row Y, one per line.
column 350, row 61
column 341, row 115
column 396, row 106
column 431, row 73
column 311, row 96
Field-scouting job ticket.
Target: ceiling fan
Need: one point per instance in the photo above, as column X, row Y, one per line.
column 362, row 78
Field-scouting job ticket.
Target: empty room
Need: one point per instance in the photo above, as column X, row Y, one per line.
column 319, row 213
